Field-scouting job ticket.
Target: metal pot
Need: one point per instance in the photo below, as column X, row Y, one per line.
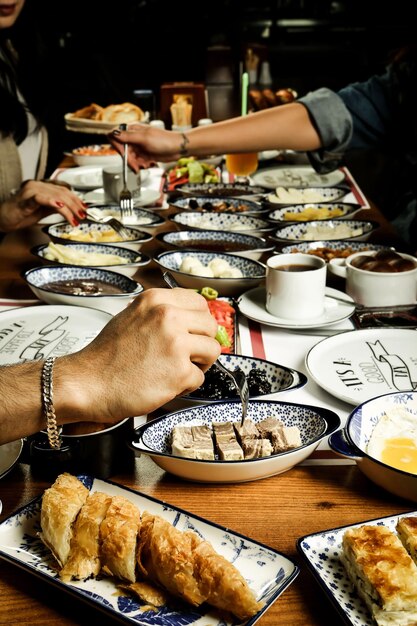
column 100, row 453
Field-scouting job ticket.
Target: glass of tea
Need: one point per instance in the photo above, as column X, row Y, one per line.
column 241, row 165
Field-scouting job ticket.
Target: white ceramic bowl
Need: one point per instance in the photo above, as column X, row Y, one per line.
column 219, row 204
column 132, row 259
column 290, row 213
column 143, row 219
column 39, row 280
column 315, row 423
column 265, row 379
column 98, row 154
column 294, row 195
column 82, row 233
column 248, row 224
column 352, row 442
column 359, row 230
column 253, row 271
column 248, row 246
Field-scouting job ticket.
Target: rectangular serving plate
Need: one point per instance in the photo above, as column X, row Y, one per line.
column 322, row 551
column 267, row 572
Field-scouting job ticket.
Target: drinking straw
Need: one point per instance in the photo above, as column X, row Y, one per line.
column 245, row 84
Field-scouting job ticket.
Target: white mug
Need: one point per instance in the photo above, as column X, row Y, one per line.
column 376, row 288
column 113, row 182
column 295, row 286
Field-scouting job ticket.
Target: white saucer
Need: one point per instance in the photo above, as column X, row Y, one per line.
column 252, row 304
column 147, row 197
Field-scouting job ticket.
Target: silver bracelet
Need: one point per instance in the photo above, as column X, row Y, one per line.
column 48, row 406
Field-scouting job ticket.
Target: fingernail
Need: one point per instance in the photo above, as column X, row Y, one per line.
column 60, row 204
column 75, row 222
column 116, row 132
column 85, row 205
column 82, row 214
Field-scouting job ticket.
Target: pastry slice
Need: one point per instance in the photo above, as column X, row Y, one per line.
column 383, row 573
column 147, row 593
column 165, row 557
column 61, row 504
column 407, row 531
column 84, row 556
column 119, row 532
column 221, row 582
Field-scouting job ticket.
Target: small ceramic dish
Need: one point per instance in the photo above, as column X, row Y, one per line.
column 265, row 379
column 346, row 230
column 253, row 272
column 313, row 212
column 90, row 232
column 286, row 196
column 83, row 254
column 248, row 246
column 330, row 249
column 219, row 189
column 219, row 204
column 248, row 224
column 98, row 154
column 396, row 441
column 82, row 286
column 143, row 219
column 314, row 423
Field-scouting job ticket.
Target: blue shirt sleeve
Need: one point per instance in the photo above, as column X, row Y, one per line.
column 358, row 117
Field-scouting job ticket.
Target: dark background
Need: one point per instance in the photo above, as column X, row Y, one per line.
column 101, row 52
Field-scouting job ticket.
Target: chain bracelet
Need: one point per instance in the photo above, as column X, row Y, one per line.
column 48, row 407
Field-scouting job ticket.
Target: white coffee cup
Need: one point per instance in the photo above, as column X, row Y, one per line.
column 113, row 182
column 295, row 286
column 377, row 288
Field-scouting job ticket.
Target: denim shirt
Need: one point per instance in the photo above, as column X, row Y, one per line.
column 363, row 116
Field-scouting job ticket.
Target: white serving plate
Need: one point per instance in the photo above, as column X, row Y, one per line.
column 296, row 176
column 148, row 197
column 267, row 571
column 322, row 551
column 32, row 333
column 362, row 364
column 252, row 304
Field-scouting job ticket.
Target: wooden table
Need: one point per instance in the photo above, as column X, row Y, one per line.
column 274, row 511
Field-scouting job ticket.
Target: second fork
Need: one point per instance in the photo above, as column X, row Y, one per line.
column 125, row 198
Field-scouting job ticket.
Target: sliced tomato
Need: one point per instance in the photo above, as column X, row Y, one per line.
column 225, row 315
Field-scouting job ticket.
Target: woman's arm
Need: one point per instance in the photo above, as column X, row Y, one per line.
column 283, row 127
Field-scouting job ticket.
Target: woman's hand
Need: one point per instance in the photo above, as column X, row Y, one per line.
column 34, row 200
column 156, row 349
column 147, row 145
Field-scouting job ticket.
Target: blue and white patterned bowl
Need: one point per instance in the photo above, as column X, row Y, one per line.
column 352, row 441
column 248, row 224
column 144, row 219
column 207, row 204
column 280, row 377
column 216, row 241
column 253, row 271
column 315, row 423
column 82, row 234
column 325, row 229
column 336, row 245
column 288, row 214
column 132, row 259
column 39, row 278
column 214, row 190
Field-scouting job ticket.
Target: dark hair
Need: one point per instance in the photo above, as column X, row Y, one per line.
column 22, row 57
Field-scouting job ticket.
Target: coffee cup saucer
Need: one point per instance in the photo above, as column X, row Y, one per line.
column 252, row 304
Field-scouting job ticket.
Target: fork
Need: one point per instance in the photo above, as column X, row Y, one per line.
column 95, row 216
column 125, row 198
column 237, row 376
